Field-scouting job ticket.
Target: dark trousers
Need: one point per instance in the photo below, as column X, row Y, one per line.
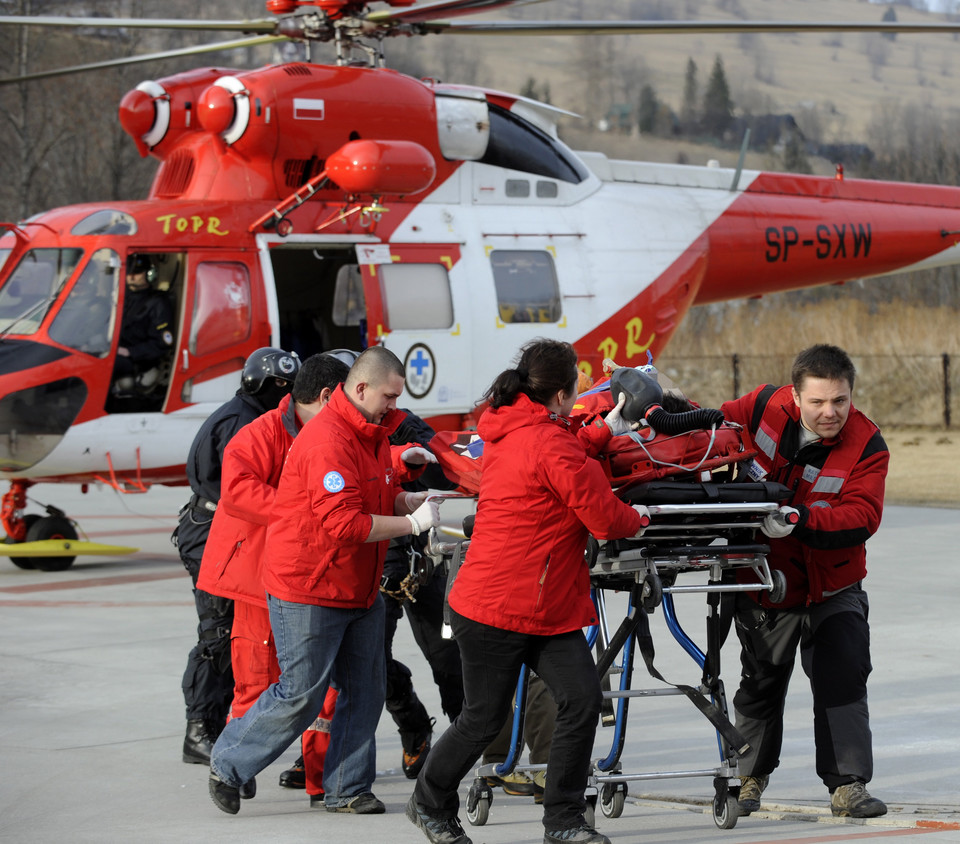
column 834, row 642
column 491, row 659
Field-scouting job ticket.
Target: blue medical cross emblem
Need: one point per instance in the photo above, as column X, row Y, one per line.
column 420, row 362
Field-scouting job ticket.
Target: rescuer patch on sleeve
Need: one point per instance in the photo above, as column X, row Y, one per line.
column 333, row 482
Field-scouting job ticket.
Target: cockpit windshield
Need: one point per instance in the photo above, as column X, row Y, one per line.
column 87, row 317
column 33, row 286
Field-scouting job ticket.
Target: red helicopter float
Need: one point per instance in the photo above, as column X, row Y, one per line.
column 313, row 206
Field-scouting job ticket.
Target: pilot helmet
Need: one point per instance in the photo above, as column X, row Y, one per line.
column 140, row 263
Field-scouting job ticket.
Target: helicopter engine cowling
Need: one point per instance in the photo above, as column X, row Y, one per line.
column 381, row 167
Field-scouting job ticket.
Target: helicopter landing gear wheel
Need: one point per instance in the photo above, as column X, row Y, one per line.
column 778, row 587
column 24, row 562
column 652, row 593
column 612, row 798
column 52, row 527
column 479, row 799
column 726, row 810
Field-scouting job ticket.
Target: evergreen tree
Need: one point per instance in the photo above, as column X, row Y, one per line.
column 688, row 112
column 890, row 15
column 717, row 104
column 648, row 110
column 795, row 155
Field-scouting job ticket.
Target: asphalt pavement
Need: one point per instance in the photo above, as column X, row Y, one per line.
column 91, row 660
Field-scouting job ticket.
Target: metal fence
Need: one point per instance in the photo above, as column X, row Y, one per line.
column 893, row 390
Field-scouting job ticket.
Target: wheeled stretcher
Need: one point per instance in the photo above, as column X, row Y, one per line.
column 702, row 538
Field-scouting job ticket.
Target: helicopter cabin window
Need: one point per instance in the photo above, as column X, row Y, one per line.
column 33, row 286
column 222, row 309
column 518, row 145
column 526, row 284
column 4, row 254
column 87, row 317
column 106, row 221
column 416, row 296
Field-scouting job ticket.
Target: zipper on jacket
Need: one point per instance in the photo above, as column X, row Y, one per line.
column 543, row 578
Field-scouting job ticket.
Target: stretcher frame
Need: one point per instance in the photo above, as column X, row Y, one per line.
column 682, row 540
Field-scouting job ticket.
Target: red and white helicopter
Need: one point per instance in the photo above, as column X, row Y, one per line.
column 313, row 206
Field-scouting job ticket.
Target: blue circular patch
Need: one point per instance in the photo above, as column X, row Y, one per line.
column 333, row 482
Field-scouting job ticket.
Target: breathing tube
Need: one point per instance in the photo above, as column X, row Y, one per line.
column 644, row 398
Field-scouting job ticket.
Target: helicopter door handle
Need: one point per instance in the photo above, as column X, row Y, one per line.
column 186, row 360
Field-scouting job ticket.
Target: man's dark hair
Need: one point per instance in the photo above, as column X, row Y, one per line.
column 317, row 373
column 823, row 361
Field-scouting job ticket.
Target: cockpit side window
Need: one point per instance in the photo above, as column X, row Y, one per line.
column 33, row 286
column 86, row 319
column 518, row 145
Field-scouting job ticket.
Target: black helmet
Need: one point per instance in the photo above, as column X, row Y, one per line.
column 347, row 356
column 267, row 363
column 139, row 263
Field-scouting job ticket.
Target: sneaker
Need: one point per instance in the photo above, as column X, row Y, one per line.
column 517, row 784
column 413, row 760
column 295, row 776
column 582, row 834
column 750, row 790
column 539, row 786
column 362, row 804
column 437, row 830
column 854, row 801
column 225, row 796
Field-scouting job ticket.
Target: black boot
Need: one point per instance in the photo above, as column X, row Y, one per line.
column 197, row 743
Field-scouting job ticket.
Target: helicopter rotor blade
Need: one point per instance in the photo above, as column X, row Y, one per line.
column 262, row 27
column 428, row 12
column 150, row 57
column 680, row 27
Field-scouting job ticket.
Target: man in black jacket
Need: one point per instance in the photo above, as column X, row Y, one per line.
column 268, row 376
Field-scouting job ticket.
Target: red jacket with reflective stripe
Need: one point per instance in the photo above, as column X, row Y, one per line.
column 252, row 462
column 337, row 475
column 840, row 482
column 540, row 493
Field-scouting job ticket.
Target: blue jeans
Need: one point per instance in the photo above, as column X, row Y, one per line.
column 314, row 644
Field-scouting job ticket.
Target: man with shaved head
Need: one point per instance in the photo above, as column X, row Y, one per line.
column 338, row 504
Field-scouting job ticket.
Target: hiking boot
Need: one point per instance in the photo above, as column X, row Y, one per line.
column 225, row 796
column 198, row 742
column 582, row 835
column 517, row 784
column 362, row 804
column 413, row 760
column 249, row 789
column 437, row 830
column 750, row 790
column 295, row 776
column 539, row 786
column 854, row 801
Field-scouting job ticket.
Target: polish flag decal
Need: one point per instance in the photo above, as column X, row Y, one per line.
column 307, row 109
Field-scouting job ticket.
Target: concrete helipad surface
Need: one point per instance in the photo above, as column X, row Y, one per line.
column 92, row 716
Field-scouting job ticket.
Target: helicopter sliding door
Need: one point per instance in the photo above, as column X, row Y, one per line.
column 417, row 304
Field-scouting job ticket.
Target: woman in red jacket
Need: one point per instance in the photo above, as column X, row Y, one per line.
column 522, row 595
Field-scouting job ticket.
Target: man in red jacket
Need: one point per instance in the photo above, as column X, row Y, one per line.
column 231, row 566
column 337, row 506
column 811, row 439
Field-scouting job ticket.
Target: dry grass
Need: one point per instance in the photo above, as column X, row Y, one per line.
column 924, row 467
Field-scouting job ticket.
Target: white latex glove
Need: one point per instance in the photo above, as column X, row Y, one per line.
column 615, row 422
column 426, row 516
column 412, row 500
column 416, row 456
column 645, row 515
column 780, row 524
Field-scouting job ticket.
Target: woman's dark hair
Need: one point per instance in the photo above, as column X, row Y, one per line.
column 544, row 368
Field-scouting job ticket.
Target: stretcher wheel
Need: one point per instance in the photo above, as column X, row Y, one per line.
column 726, row 810
column 612, row 798
column 778, row 590
column 23, row 562
column 651, row 595
column 479, row 799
